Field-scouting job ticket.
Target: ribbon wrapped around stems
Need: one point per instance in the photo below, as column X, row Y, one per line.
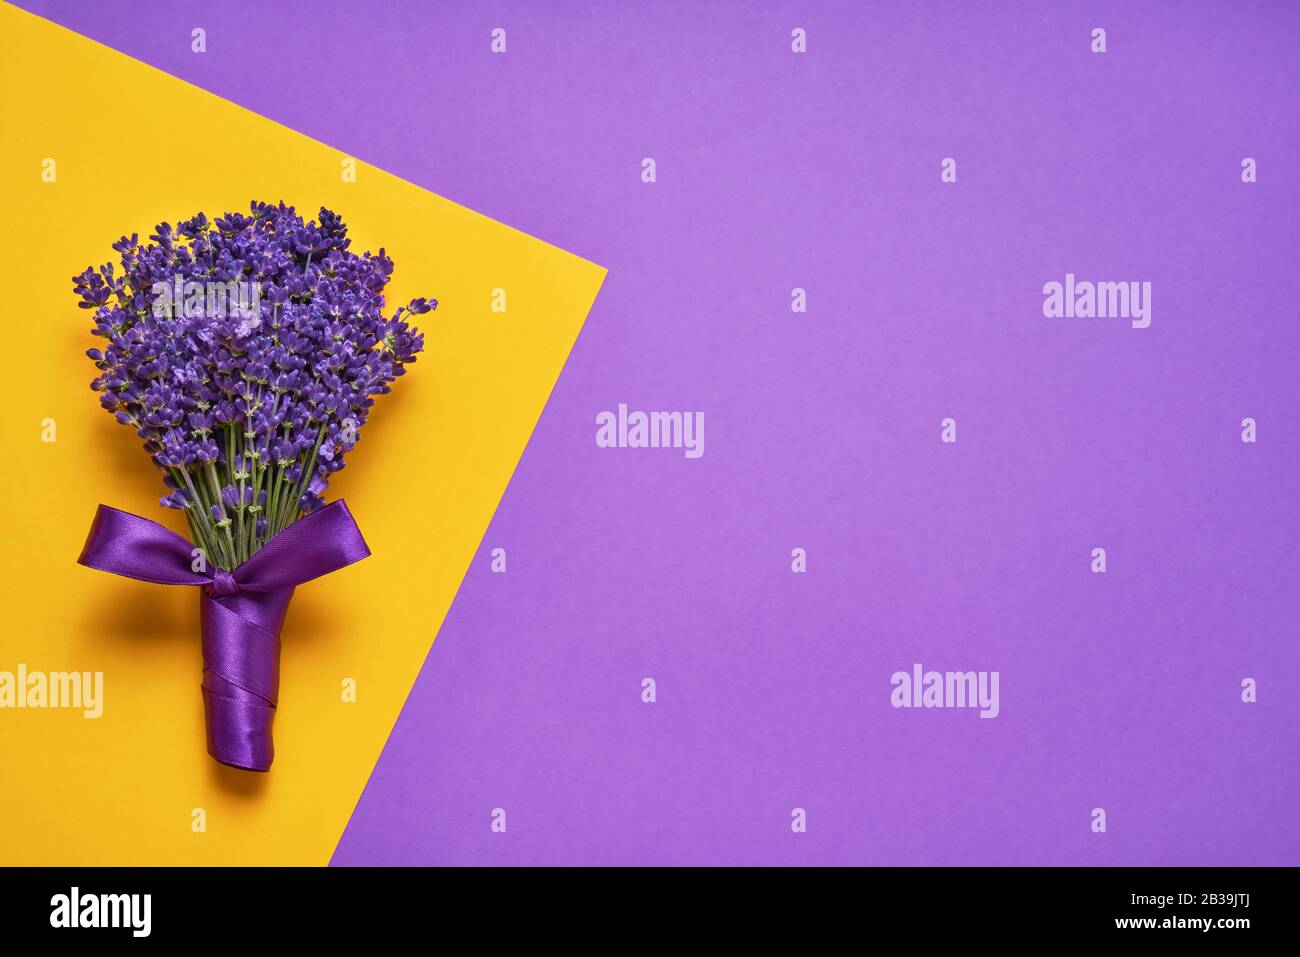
column 241, row 611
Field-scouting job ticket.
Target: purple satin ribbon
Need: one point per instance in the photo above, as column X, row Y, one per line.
column 241, row 612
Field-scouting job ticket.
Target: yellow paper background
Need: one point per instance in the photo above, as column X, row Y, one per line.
column 423, row 482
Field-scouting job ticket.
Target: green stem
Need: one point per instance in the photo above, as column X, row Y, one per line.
column 301, row 485
column 233, row 456
column 216, row 500
column 213, row 544
column 273, row 503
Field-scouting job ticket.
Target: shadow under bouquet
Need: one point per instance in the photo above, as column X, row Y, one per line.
column 246, row 352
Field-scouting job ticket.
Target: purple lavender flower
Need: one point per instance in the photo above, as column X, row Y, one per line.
column 246, row 352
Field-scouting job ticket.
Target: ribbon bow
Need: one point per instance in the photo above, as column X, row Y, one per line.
column 241, row 611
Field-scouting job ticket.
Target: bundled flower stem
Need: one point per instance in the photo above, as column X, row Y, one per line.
column 246, row 353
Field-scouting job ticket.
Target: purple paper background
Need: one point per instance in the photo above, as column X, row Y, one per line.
column 777, row 170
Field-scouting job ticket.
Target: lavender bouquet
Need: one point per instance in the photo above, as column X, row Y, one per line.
column 246, row 352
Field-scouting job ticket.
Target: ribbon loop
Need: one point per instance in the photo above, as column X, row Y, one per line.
column 242, row 611
column 138, row 548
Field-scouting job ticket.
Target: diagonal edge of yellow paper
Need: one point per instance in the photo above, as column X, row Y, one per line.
column 81, row 165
